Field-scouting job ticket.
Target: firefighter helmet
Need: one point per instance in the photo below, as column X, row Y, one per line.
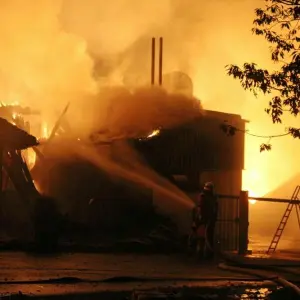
column 208, row 186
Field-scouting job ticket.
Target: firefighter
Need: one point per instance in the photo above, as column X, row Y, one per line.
column 209, row 213
column 197, row 235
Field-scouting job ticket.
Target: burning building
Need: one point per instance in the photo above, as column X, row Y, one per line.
column 186, row 156
column 119, row 182
column 199, row 152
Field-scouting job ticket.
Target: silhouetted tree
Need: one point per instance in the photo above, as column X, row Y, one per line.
column 279, row 24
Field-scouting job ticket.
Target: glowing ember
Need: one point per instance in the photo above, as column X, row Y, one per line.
column 30, row 158
column 153, row 133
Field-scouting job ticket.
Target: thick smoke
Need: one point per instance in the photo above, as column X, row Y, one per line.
column 111, row 27
column 51, row 51
column 125, row 166
column 40, row 64
column 137, row 114
column 54, row 52
column 129, row 115
column 201, row 37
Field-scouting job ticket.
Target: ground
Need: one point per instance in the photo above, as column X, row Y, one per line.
column 30, row 274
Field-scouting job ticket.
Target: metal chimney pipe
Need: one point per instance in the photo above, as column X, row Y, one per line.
column 153, row 62
column 160, row 60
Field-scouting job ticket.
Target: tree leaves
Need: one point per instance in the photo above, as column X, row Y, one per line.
column 228, row 129
column 265, row 147
column 231, row 130
column 295, row 132
column 279, row 23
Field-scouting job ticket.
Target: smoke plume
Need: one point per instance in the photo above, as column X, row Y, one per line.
column 137, row 114
column 59, row 51
column 201, row 38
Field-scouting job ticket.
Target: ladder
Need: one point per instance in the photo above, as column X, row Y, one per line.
column 284, row 219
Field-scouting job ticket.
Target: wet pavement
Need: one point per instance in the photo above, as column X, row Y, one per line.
column 86, row 273
column 29, row 274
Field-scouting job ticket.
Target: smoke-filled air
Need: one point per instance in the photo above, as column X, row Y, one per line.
column 201, row 38
column 95, row 55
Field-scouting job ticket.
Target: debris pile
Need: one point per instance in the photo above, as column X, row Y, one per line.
column 73, row 171
column 99, row 209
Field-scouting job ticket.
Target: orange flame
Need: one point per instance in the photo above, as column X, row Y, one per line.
column 153, row 133
column 45, row 130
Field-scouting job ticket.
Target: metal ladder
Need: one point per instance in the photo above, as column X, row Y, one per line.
column 284, row 219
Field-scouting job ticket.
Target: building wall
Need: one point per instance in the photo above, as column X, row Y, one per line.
column 199, row 147
column 201, row 152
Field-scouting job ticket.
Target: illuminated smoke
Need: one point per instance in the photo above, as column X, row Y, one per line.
column 200, row 39
column 53, row 51
column 132, row 115
column 48, row 58
column 144, row 111
column 40, row 64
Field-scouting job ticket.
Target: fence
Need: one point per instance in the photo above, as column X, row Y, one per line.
column 227, row 227
column 233, row 222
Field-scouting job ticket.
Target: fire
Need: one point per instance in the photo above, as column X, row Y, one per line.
column 153, row 133
column 30, row 158
column 14, row 103
column 254, row 184
column 251, row 194
column 45, row 130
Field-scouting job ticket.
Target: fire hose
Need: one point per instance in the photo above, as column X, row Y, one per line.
column 241, row 267
column 260, row 274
